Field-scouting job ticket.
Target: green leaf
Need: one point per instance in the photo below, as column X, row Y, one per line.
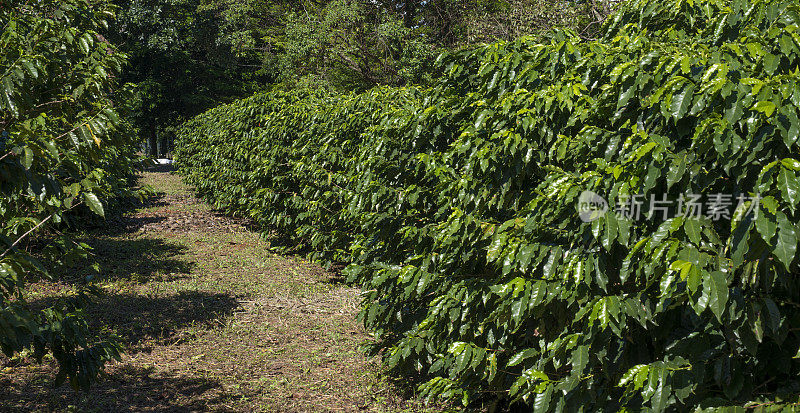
column 463, row 358
column 686, row 65
column 644, row 150
column 676, row 171
column 32, row 71
column 628, row 89
column 771, row 63
column 524, row 256
column 790, row 188
column 741, row 244
column 694, row 277
column 757, row 327
column 659, row 399
column 521, row 356
column 774, row 315
column 542, row 401
column 27, row 158
column 610, row 230
column 8, row 102
column 682, row 267
column 790, row 163
column 786, row 245
column 84, row 45
column 715, row 287
column 692, row 229
column 770, row 203
column 580, row 357
column 793, row 134
column 766, row 224
column 681, row 101
column 765, row 107
column 641, row 376
column 631, row 374
column 496, row 248
column 94, row 203
column 662, row 232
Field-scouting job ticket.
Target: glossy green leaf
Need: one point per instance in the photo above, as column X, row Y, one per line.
column 790, row 188
column 765, row 107
column 580, row 358
column 692, row 229
column 94, row 203
column 715, row 287
column 682, row 100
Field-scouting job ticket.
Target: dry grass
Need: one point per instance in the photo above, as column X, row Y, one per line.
column 211, row 321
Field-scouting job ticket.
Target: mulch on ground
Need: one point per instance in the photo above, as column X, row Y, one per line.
column 211, row 321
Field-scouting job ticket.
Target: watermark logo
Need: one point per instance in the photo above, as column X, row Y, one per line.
column 715, row 207
column 591, row 206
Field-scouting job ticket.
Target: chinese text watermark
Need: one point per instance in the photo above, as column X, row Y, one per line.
column 716, row 206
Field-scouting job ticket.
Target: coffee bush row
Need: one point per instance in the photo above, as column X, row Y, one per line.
column 63, row 151
column 456, row 208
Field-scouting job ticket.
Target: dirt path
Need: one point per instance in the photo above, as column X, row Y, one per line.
column 211, row 321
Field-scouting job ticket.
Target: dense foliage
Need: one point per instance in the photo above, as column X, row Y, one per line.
column 61, row 150
column 187, row 56
column 353, row 45
column 179, row 66
column 356, row 44
column 456, row 208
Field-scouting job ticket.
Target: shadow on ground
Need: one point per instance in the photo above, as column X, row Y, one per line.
column 161, row 168
column 140, row 259
column 121, row 220
column 136, row 260
column 126, row 389
column 137, row 319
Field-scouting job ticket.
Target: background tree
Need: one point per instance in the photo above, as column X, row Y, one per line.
column 179, row 63
column 353, row 45
column 357, row 44
column 187, row 56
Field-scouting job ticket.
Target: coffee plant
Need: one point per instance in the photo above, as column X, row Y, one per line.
column 456, row 208
column 62, row 150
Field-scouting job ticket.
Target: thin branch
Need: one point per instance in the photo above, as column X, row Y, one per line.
column 14, row 245
column 6, row 155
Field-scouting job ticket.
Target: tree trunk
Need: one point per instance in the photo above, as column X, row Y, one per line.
column 153, row 143
column 410, row 13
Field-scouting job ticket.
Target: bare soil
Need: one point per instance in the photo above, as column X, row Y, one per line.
column 211, row 320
